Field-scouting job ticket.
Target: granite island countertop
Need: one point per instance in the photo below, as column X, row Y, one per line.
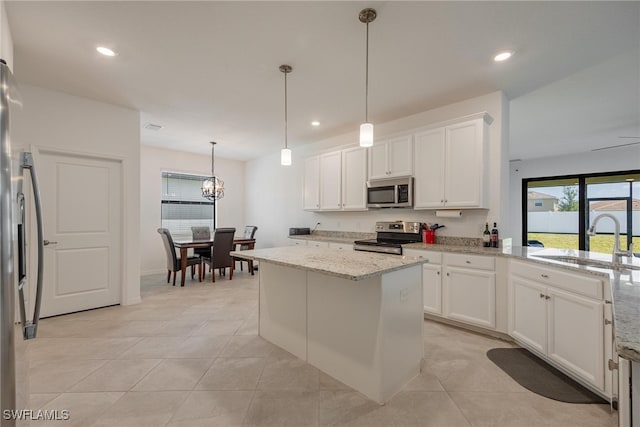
column 345, row 264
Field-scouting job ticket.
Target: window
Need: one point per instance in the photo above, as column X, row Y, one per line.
column 182, row 204
column 559, row 210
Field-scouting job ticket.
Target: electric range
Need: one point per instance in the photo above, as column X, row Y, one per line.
column 390, row 237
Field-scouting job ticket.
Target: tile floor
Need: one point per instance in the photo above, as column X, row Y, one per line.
column 191, row 357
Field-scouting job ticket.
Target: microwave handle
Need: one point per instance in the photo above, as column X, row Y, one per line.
column 396, row 195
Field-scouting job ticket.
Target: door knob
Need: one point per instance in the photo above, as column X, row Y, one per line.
column 47, row 243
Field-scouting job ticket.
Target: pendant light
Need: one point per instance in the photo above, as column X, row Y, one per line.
column 366, row 129
column 285, row 153
column 213, row 187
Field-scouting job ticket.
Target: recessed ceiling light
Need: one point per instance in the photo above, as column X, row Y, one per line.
column 106, row 51
column 315, row 123
column 503, row 56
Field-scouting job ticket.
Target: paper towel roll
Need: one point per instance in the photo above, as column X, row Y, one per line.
column 449, row 214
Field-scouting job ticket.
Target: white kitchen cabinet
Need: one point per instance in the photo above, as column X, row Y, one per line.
column 565, row 328
column 311, row 185
column 336, row 181
column 330, row 181
column 354, row 177
column 391, row 158
column 452, row 166
column 431, row 279
column 469, row 289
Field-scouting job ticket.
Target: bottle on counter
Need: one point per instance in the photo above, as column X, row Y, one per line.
column 486, row 236
column 494, row 236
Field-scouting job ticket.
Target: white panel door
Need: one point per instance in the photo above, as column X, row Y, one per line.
column 429, row 169
column 528, row 313
column 576, row 335
column 400, row 156
column 330, row 181
column 432, row 288
column 82, row 210
column 463, row 173
column 470, row 296
column 378, row 167
column 354, row 177
column 311, row 186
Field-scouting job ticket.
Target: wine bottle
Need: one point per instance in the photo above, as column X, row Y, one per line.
column 494, row 236
column 486, row 236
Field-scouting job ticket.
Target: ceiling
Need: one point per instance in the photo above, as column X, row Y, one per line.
column 209, row 70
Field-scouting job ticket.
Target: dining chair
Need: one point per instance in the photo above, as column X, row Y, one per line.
column 220, row 256
column 201, row 233
column 249, row 233
column 173, row 261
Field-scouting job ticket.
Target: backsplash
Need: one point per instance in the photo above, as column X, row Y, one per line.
column 443, row 240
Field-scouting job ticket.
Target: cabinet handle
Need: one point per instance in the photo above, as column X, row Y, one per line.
column 468, row 262
column 438, row 273
column 607, row 321
column 445, row 200
column 442, row 201
column 544, row 276
column 541, row 295
column 447, row 274
column 547, row 297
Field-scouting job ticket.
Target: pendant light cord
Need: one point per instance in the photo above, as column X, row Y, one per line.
column 366, row 80
column 285, row 111
column 213, row 144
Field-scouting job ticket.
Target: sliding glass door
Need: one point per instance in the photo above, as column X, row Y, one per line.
column 559, row 211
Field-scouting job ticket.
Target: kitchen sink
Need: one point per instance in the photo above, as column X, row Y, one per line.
column 588, row 262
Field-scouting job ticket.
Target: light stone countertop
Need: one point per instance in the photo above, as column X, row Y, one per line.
column 352, row 265
column 331, row 239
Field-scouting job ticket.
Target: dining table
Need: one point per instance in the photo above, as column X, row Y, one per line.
column 185, row 244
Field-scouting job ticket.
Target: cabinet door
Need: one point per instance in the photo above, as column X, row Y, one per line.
column 311, row 192
column 400, row 156
column 354, row 177
column 330, row 181
column 429, row 169
column 432, row 288
column 576, row 335
column 470, row 296
column 464, row 168
column 528, row 313
column 378, row 161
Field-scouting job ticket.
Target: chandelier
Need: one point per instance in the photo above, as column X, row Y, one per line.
column 366, row 129
column 213, row 187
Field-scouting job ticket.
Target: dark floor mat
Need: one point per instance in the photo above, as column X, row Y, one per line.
column 534, row 374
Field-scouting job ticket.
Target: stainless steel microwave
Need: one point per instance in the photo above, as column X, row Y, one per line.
column 390, row 192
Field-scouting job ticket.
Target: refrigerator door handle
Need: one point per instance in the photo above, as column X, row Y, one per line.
column 22, row 262
column 31, row 327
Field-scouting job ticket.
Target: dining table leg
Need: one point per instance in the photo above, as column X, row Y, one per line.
column 183, row 264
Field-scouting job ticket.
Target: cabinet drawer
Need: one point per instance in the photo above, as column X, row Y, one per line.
column 431, row 257
column 470, row 261
column 578, row 283
column 341, row 246
column 297, row 242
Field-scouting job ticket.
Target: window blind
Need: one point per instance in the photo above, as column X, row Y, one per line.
column 183, row 206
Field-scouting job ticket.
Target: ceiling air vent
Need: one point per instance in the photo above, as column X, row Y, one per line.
column 152, row 126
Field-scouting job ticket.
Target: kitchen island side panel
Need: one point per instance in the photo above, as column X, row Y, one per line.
column 283, row 307
column 367, row 334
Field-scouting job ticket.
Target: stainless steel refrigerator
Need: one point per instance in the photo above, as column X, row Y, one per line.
column 14, row 280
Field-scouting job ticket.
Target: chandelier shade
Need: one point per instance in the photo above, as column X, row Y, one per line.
column 213, row 187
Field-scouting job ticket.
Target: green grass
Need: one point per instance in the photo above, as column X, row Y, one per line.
column 598, row 243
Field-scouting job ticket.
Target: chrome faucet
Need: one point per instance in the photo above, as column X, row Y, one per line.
column 617, row 253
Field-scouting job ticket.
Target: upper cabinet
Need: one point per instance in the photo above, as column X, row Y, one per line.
column 452, row 166
column 336, row 181
column 391, row 158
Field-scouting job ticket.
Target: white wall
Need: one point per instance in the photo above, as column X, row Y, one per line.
column 274, row 192
column 55, row 120
column 613, row 160
column 153, row 161
column 6, row 41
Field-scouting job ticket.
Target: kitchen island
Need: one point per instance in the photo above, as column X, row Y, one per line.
column 357, row 316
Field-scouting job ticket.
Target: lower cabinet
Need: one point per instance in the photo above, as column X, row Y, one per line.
column 565, row 328
column 432, row 288
column 469, row 289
